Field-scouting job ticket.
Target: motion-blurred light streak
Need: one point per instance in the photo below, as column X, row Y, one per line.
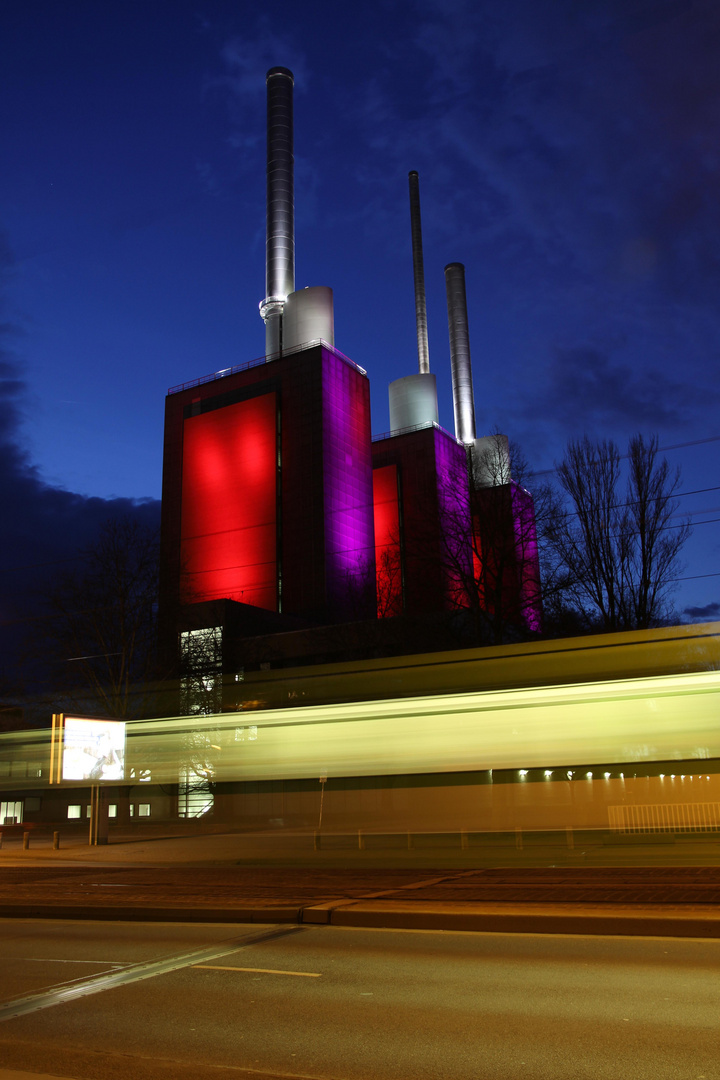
column 672, row 717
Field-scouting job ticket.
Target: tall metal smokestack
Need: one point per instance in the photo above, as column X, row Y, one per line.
column 413, row 399
column 419, row 275
column 463, row 399
column 280, row 243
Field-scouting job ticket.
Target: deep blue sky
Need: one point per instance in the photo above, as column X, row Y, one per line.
column 568, row 153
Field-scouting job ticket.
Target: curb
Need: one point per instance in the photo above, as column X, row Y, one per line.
column 279, row 914
column 516, row 922
column 521, row 922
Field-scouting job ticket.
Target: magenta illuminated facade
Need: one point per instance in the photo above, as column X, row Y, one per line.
column 430, row 512
column 505, row 555
column 528, row 562
column 267, row 487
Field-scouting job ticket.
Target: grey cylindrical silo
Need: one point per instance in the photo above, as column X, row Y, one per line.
column 280, row 241
column 463, row 398
column 419, row 275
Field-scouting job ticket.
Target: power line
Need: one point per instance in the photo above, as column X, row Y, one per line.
column 693, row 442
column 661, row 450
column 693, row 577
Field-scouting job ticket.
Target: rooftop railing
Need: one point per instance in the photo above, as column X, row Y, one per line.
column 416, row 427
column 266, row 360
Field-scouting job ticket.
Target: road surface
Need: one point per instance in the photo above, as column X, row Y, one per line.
column 111, row 1000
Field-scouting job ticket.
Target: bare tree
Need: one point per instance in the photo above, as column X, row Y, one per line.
column 621, row 552
column 100, row 634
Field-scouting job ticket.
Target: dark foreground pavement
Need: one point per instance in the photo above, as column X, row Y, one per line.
column 207, row 879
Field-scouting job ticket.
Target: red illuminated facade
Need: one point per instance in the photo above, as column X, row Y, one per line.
column 388, row 542
column 267, row 488
column 228, row 515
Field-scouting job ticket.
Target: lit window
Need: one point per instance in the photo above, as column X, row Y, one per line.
column 201, row 683
column 74, row 811
column 11, row 813
column 112, row 810
column 144, row 809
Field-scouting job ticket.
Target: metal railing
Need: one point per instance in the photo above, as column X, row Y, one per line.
column 416, row 427
column 266, row 360
column 665, row 817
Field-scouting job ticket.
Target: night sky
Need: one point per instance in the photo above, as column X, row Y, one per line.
column 569, row 156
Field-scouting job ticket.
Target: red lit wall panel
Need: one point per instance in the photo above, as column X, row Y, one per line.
column 229, row 504
column 387, row 541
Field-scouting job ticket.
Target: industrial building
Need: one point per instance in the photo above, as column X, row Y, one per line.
column 282, row 517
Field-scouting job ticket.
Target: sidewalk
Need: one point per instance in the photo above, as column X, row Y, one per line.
column 279, row 877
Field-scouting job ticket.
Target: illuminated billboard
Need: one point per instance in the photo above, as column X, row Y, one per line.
column 93, row 749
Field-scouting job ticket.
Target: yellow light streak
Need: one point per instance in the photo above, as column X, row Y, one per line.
column 261, row 971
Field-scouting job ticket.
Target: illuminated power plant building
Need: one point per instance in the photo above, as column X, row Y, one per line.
column 267, row 484
column 280, row 514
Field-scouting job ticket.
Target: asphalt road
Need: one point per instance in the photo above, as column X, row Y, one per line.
column 109, row 1000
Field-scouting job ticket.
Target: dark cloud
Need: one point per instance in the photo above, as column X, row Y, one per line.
column 44, row 527
column 588, row 388
column 707, row 613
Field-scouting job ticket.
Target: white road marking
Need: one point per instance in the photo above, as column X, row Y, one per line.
column 54, row 960
column 137, row 972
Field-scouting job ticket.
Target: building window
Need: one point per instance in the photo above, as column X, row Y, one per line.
column 112, row 810
column 144, row 809
column 74, row 811
column 11, row 813
column 195, row 793
column 201, row 665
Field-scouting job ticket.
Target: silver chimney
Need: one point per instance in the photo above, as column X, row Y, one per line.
column 280, row 242
column 419, row 275
column 413, row 399
column 463, row 401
